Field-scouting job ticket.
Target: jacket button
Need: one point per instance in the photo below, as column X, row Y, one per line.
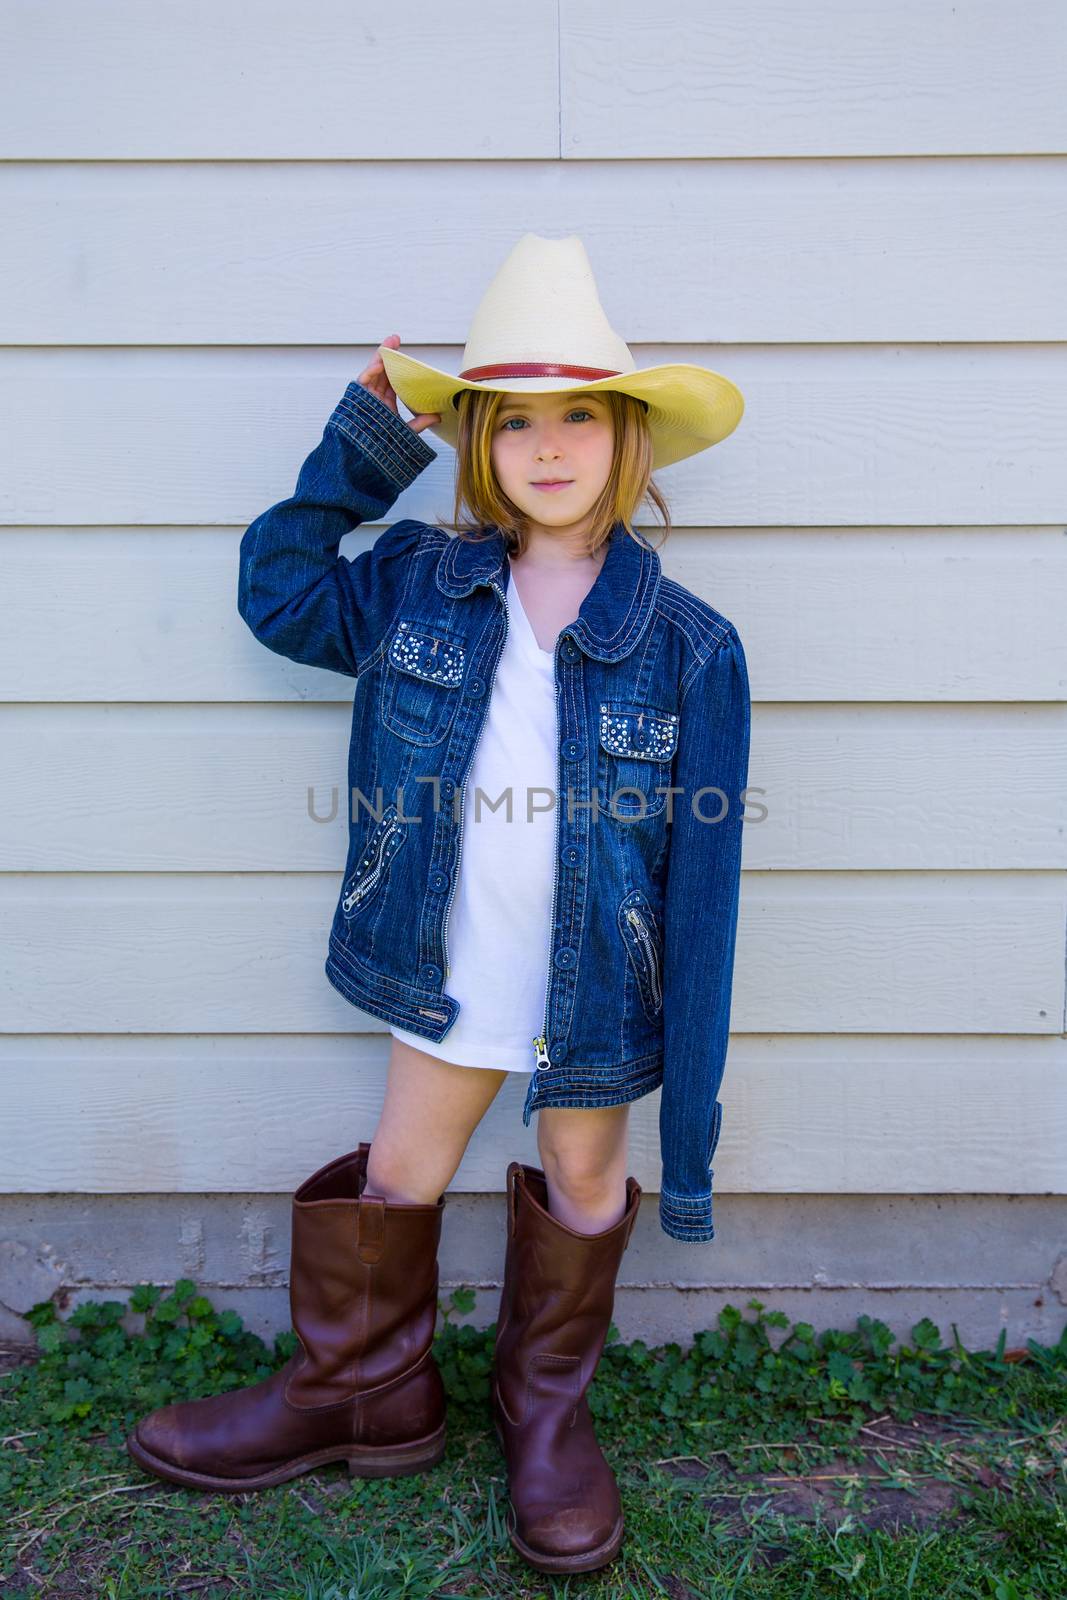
column 570, row 855
column 569, row 649
column 448, row 787
column 429, row 973
column 439, row 880
column 557, row 1052
column 565, row 956
column 572, row 749
column 476, row 686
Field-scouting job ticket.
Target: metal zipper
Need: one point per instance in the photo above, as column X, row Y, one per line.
column 637, row 921
column 462, row 787
column 540, row 1041
column 362, row 885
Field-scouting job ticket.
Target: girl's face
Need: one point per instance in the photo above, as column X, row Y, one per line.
column 553, row 436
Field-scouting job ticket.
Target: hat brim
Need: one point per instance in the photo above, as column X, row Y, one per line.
column 690, row 408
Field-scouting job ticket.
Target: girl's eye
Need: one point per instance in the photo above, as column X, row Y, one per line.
column 579, row 411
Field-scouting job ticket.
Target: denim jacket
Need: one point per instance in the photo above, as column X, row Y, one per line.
column 652, row 695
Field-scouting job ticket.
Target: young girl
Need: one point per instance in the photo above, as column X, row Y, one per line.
column 537, row 882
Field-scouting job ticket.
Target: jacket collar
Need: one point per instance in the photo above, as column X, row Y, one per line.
column 613, row 615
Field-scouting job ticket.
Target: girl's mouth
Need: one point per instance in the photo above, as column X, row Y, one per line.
column 550, row 488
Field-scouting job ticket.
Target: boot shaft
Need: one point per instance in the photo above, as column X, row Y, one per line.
column 559, row 1285
column 363, row 1282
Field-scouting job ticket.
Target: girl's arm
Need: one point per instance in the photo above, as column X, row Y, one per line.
column 298, row 596
column 700, row 919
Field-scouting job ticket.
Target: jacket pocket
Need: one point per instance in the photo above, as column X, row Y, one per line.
column 367, row 876
column 642, row 941
column 637, row 745
column 421, row 680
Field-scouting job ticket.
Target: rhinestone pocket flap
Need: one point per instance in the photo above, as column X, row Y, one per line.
column 639, row 732
column 431, row 655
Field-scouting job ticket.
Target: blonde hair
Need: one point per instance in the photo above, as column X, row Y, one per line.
column 480, row 501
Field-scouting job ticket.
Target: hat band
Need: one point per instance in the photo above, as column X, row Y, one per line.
column 537, row 369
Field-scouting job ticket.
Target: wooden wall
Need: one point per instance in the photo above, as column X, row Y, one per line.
column 211, row 217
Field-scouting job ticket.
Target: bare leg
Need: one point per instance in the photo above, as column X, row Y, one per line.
column 431, row 1109
column 585, row 1152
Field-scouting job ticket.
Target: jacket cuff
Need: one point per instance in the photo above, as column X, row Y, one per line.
column 686, row 1216
column 382, row 435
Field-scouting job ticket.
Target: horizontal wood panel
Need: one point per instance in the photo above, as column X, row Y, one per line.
column 843, row 615
column 830, row 78
column 763, row 252
column 841, row 436
column 183, row 298
column 346, row 78
column 802, row 1115
column 839, row 952
column 229, row 788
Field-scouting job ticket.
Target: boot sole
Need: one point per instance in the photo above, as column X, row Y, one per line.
column 581, row 1561
column 363, row 1461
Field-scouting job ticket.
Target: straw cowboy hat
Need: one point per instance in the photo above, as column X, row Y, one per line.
column 540, row 326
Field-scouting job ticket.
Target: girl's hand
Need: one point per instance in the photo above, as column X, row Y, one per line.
column 374, row 377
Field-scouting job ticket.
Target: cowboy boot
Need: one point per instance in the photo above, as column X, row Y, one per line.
column 555, row 1310
column 363, row 1386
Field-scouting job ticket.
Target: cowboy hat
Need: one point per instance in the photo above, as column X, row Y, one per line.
column 540, row 327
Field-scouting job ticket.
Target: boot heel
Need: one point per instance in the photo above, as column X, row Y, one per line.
column 398, row 1460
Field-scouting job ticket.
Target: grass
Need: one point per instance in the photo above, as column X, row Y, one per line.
column 760, row 1462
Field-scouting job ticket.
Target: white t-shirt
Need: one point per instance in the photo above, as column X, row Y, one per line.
column 498, row 923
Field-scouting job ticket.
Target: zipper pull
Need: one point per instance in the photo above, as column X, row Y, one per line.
column 541, row 1048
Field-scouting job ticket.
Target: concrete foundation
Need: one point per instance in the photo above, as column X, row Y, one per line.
column 981, row 1262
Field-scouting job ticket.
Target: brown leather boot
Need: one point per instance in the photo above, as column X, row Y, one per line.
column 363, row 1387
column 555, row 1310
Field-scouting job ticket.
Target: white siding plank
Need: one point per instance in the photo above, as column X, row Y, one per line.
column 864, row 614
column 685, row 80
column 833, row 77
column 813, row 1115
column 843, row 436
column 894, row 952
column 776, row 252
column 264, row 79
column 262, row 788
column 844, row 615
